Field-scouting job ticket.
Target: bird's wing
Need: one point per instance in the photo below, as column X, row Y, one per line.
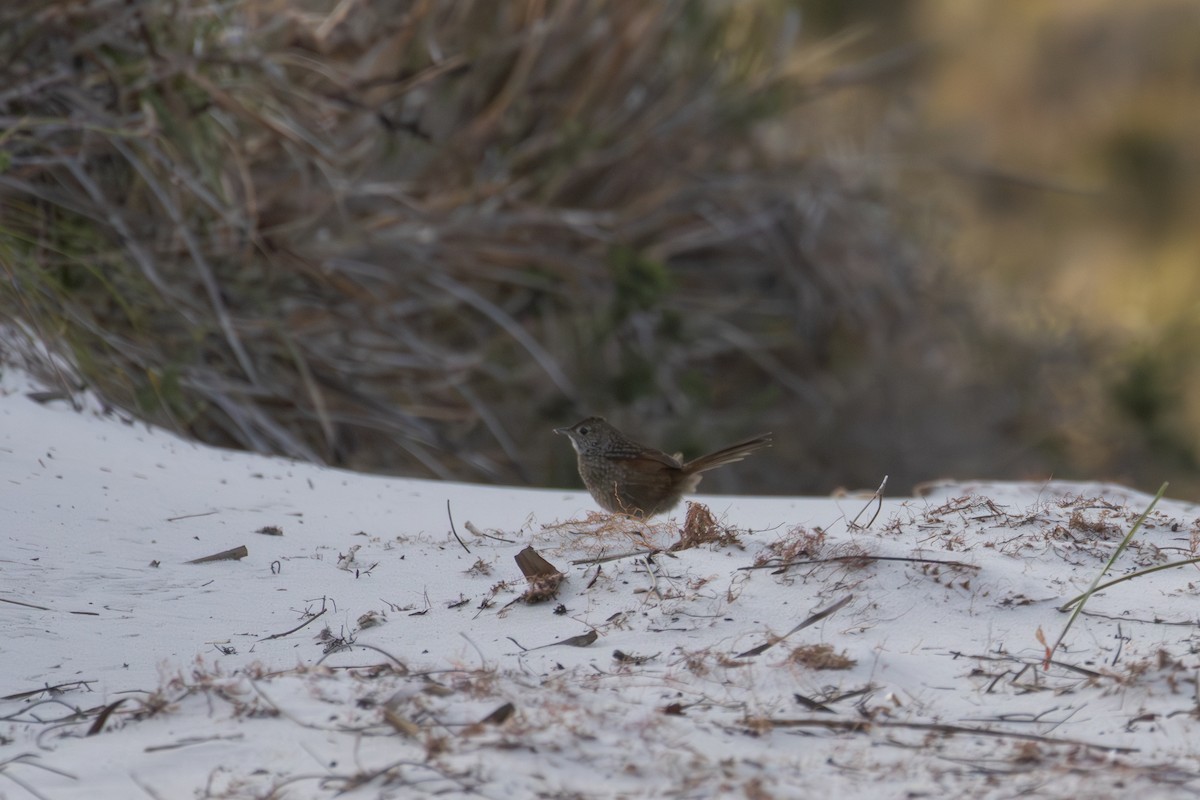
column 651, row 456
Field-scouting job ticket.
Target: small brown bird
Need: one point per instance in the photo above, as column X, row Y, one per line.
column 625, row 477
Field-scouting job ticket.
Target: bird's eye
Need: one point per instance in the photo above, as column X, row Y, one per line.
column 583, row 431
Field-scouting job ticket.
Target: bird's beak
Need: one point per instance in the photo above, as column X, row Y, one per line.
column 563, row 431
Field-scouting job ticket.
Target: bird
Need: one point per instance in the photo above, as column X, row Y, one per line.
column 625, row 477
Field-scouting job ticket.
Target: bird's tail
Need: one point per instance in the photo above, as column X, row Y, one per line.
column 727, row 455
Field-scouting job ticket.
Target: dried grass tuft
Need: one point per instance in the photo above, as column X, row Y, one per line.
column 701, row 527
column 820, row 656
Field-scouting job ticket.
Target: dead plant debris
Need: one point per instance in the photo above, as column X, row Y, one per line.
column 543, row 577
column 701, row 527
column 820, row 656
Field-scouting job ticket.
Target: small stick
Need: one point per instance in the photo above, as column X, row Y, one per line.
column 27, row 605
column 582, row 640
column 1027, row 663
column 618, row 556
column 877, row 496
column 105, row 713
column 293, row 630
column 233, row 554
column 815, row 618
column 187, row 741
column 861, row 726
column 191, row 516
column 471, row 527
column 812, row 705
column 832, row 559
column 452, row 530
column 48, row 689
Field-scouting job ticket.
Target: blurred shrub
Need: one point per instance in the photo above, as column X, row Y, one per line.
column 411, row 236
